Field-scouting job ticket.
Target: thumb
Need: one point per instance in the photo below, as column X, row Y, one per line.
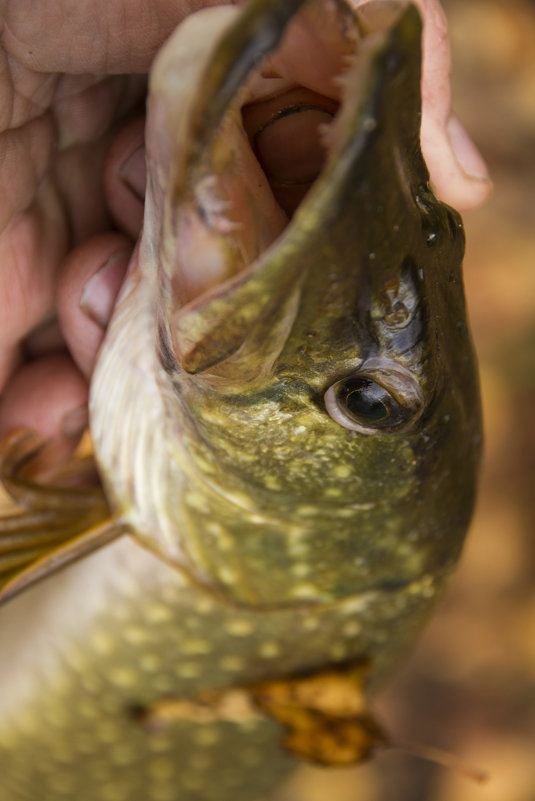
column 88, row 285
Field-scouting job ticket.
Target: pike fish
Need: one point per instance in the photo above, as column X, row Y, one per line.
column 285, row 419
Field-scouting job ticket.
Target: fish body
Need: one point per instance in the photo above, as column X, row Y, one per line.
column 285, row 416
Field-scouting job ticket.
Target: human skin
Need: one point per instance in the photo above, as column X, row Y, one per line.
column 72, row 180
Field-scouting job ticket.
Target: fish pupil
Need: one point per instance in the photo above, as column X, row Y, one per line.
column 365, row 400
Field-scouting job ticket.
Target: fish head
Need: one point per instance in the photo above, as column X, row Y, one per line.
column 311, row 333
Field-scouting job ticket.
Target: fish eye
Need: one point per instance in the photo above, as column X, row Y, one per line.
column 365, row 403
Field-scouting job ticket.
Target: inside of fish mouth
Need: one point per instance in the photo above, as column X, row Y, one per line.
column 273, row 144
column 285, row 134
column 288, row 130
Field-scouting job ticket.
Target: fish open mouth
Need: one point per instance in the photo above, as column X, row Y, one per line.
column 270, row 95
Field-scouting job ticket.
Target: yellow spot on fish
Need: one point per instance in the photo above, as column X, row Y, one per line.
column 352, row 628
column 342, row 470
column 193, row 647
column 344, row 511
column 259, row 519
column 197, row 501
column 307, row 511
column 188, row 670
column 240, row 499
column 304, row 591
column 205, row 466
column 333, row 492
column 123, row 677
column 158, row 613
column 215, row 529
column 225, row 542
column 231, row 664
column 135, row 635
column 297, row 544
column 358, row 604
column 310, row 623
column 204, row 606
column 239, row 627
column 228, row 575
column 149, row 662
column 206, row 736
column 103, row 643
column 269, row 649
column 424, row 586
column 300, row 569
column 272, row 482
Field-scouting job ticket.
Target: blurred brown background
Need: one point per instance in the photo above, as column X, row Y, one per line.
column 470, row 685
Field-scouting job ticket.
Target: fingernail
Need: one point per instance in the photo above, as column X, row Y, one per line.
column 74, row 423
column 134, row 173
column 100, row 292
column 466, row 152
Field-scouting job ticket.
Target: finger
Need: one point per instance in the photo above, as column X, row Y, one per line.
column 125, row 177
column 119, row 36
column 458, row 172
column 48, row 396
column 88, row 284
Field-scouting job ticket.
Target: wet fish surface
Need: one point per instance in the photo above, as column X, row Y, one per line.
column 285, row 418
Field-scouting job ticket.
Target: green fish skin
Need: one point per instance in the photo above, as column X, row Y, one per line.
column 286, row 418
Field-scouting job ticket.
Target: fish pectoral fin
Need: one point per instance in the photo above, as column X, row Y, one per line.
column 58, row 514
column 19, row 570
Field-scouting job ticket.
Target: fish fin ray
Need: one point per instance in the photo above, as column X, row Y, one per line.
column 46, row 563
column 58, row 514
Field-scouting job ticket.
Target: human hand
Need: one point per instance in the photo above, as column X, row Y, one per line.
column 72, row 185
column 70, row 208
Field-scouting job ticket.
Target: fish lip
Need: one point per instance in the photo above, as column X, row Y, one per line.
column 355, row 127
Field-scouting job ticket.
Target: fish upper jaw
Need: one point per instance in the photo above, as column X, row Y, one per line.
column 227, row 250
